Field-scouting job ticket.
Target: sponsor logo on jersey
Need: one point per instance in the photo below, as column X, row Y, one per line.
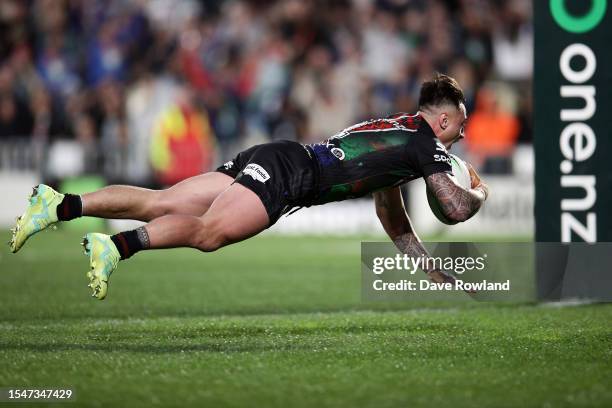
column 339, row 153
column 257, row 172
column 442, row 158
column 440, row 147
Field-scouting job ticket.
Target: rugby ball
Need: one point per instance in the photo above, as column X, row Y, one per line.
column 461, row 174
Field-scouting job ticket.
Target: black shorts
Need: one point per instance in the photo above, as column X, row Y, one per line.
column 283, row 175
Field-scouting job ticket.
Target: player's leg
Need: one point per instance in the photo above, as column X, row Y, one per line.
column 192, row 196
column 46, row 206
column 235, row 215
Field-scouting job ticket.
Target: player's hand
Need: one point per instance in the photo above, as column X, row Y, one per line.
column 474, row 177
column 477, row 182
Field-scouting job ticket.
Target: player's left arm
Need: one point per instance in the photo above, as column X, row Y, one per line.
column 394, row 219
column 431, row 158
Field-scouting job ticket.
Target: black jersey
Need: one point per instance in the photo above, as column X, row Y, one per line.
column 375, row 155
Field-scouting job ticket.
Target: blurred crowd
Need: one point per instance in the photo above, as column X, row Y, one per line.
column 153, row 91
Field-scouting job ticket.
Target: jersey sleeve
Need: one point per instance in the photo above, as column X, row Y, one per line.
column 431, row 156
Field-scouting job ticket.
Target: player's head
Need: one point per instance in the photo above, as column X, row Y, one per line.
column 443, row 105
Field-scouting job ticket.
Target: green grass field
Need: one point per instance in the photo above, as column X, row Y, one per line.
column 279, row 322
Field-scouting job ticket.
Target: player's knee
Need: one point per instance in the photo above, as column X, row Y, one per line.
column 209, row 243
column 211, row 237
column 160, row 204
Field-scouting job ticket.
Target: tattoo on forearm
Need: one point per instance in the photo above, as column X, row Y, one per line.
column 456, row 202
column 410, row 245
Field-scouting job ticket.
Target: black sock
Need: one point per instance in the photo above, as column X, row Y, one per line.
column 70, row 208
column 130, row 242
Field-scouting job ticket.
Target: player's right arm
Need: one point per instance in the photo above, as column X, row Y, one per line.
column 457, row 203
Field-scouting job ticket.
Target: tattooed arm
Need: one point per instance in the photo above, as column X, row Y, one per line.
column 457, row 203
column 392, row 215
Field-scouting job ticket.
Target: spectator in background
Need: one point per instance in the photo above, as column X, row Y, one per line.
column 145, row 101
column 476, row 20
column 15, row 116
column 182, row 141
column 513, row 42
column 491, row 133
column 462, row 71
column 106, row 55
column 47, row 122
column 58, row 51
column 385, row 56
column 113, row 130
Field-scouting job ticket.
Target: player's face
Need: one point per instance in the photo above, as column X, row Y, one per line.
column 453, row 124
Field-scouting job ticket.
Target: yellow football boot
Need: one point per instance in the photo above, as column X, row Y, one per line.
column 40, row 214
column 103, row 260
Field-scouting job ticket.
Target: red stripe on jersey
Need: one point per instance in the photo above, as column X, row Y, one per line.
column 411, row 122
column 400, row 121
column 378, row 124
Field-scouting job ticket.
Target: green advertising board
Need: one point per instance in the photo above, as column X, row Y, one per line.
column 573, row 120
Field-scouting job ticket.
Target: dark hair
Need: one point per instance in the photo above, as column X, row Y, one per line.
column 440, row 90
